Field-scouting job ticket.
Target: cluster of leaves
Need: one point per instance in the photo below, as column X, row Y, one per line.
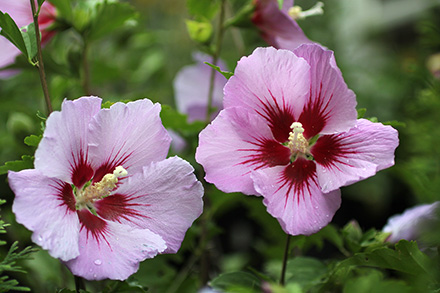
column 9, row 262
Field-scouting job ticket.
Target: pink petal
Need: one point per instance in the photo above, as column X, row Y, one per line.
column 166, row 199
column 277, row 28
column 43, row 207
column 412, row 223
column 191, row 88
column 292, row 195
column 8, row 53
column 348, row 157
column 63, row 151
column 331, row 106
column 129, row 135
column 19, row 10
column 272, row 83
column 233, row 145
column 114, row 254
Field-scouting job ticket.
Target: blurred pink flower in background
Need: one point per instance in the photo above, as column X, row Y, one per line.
column 103, row 196
column 191, row 88
column 276, row 26
column 412, row 223
column 21, row 12
column 289, row 133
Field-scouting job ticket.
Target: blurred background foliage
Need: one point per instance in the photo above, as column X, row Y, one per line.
column 386, row 52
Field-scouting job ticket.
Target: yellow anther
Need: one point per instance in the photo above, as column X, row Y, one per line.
column 297, row 141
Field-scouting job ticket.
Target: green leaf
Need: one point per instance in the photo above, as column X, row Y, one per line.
column 29, row 37
column 305, row 271
column 203, row 8
column 109, row 17
column 374, row 282
column 199, row 31
column 177, row 121
column 26, row 162
column 361, row 112
column 11, row 31
column 64, row 9
column 236, row 282
column 32, row 140
column 405, row 258
column 280, row 4
column 226, row 74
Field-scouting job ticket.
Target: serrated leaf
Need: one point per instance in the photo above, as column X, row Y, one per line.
column 199, row 31
column 109, row 17
column 236, row 282
column 32, row 140
column 203, row 8
column 29, row 37
column 226, row 74
column 26, row 162
column 178, row 121
column 11, row 31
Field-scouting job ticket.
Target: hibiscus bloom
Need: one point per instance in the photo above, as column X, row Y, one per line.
column 276, row 26
column 21, row 12
column 103, row 197
column 191, row 88
column 412, row 223
column 289, row 132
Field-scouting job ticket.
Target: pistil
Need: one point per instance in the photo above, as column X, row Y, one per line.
column 297, row 142
column 296, row 12
column 89, row 194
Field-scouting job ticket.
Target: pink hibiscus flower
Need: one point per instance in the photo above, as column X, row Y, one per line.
column 191, row 88
column 276, row 26
column 103, row 197
column 21, row 12
column 289, row 133
column 413, row 223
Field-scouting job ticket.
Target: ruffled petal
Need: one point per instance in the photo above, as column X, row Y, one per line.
column 272, row 83
column 46, row 206
column 348, row 157
column 115, row 253
column 191, row 89
column 331, row 106
column 129, row 135
column 277, row 28
column 293, row 196
column 166, row 199
column 233, row 145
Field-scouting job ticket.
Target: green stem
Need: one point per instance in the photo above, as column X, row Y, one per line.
column 215, row 56
column 40, row 64
column 79, row 284
column 286, row 257
column 86, row 70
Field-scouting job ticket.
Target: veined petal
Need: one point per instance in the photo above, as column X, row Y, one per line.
column 330, row 106
column 63, row 150
column 129, row 135
column 46, row 206
column 348, row 157
column 115, row 252
column 166, row 199
column 272, row 83
column 277, row 28
column 235, row 143
column 293, row 196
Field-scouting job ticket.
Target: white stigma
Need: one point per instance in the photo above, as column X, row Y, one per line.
column 99, row 190
column 296, row 12
column 297, row 141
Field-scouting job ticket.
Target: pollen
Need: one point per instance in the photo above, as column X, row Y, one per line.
column 297, row 142
column 296, row 12
column 99, row 190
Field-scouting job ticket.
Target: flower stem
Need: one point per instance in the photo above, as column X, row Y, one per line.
column 40, row 64
column 215, row 56
column 86, row 69
column 79, row 284
column 286, row 257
